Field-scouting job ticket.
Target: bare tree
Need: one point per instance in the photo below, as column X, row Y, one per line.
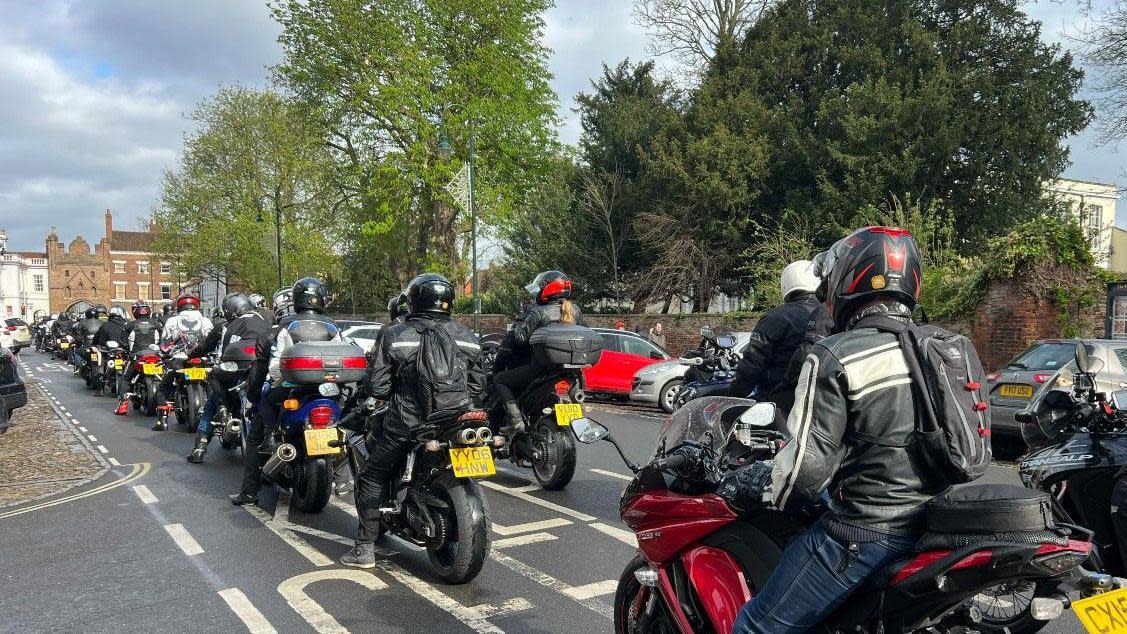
column 693, row 29
column 599, row 204
column 1105, row 50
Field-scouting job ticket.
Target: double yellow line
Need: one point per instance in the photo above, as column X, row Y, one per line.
column 139, row 470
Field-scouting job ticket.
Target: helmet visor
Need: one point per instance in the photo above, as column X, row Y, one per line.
column 533, row 289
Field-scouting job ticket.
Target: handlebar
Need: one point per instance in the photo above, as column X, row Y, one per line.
column 672, row 462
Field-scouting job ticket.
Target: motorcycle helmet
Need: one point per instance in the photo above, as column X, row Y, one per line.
column 167, row 310
column 309, row 295
column 141, row 310
column 257, row 301
column 187, row 301
column 91, row 313
column 282, row 302
column 430, row 293
column 799, row 276
column 549, row 286
column 117, row 311
column 101, row 312
column 871, row 263
column 236, row 305
column 398, row 306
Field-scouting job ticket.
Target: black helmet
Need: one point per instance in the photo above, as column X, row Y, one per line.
column 550, row 286
column 309, row 295
column 871, row 263
column 236, row 305
column 101, row 312
column 141, row 310
column 430, row 293
column 91, row 313
column 167, row 309
column 398, row 306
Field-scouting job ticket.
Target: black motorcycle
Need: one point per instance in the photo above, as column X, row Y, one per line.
column 189, row 389
column 233, row 408
column 711, row 368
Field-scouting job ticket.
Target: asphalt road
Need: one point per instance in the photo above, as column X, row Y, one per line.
column 156, row 545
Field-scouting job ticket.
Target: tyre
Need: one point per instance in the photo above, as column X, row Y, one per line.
column 189, row 414
column 150, row 397
column 638, row 608
column 668, row 395
column 464, row 527
column 312, row 485
column 553, row 459
column 1007, row 608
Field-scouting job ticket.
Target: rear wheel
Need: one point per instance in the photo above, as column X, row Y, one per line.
column 639, row 609
column 189, row 401
column 463, row 530
column 553, row 459
column 150, row 397
column 1007, row 608
column 312, row 486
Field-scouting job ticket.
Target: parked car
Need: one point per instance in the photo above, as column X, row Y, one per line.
column 362, row 334
column 13, row 392
column 658, row 383
column 1015, row 383
column 624, row 353
column 15, row 335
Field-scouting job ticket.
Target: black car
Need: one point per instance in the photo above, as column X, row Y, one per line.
column 13, row 393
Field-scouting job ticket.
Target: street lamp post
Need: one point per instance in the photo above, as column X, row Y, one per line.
column 278, row 238
column 446, row 149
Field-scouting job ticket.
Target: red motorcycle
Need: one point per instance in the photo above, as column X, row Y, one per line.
column 148, row 368
column 699, row 561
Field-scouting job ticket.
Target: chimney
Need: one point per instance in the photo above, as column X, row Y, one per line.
column 109, row 225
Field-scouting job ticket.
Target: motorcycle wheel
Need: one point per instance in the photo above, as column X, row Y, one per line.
column 1006, row 608
column 553, row 462
column 150, row 397
column 631, row 599
column 313, row 484
column 668, row 395
column 465, row 527
column 189, row 414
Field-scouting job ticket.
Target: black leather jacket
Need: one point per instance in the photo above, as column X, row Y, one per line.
column 248, row 326
column 62, row 327
column 112, row 330
column 391, row 377
column 514, row 350
column 776, row 336
column 142, row 333
column 85, row 330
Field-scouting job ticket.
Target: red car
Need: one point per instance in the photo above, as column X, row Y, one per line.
column 624, row 353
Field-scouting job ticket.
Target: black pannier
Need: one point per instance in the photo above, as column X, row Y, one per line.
column 990, row 512
column 565, row 344
column 317, row 362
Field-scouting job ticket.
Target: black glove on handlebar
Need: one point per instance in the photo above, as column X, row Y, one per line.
column 747, row 489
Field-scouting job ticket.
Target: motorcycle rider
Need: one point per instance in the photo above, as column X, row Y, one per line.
column 84, row 332
column 140, row 333
column 63, row 326
column 392, row 378
column 514, row 367
column 849, row 434
column 113, row 329
column 241, row 323
column 258, row 303
column 166, row 313
column 775, row 338
column 307, row 298
column 181, row 331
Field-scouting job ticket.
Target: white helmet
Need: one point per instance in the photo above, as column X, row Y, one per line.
column 799, row 276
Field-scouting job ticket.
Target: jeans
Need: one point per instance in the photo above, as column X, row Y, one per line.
column 210, row 406
column 816, row 575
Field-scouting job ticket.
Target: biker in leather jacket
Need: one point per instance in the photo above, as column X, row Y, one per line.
column 140, row 333
column 182, row 331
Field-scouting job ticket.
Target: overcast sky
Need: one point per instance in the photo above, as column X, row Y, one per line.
column 93, row 95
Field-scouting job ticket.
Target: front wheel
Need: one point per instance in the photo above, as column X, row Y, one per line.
column 553, row 455
column 639, row 608
column 312, row 486
column 668, row 395
column 463, row 531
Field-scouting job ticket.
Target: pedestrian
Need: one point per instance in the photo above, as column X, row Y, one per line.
column 620, row 325
column 657, row 335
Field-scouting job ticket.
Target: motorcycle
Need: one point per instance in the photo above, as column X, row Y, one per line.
column 233, row 408
column 711, row 368
column 549, row 404
column 700, row 561
column 91, row 369
column 113, row 364
column 435, row 502
column 147, row 370
column 189, row 390
column 62, row 346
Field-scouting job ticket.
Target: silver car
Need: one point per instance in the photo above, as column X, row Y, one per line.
column 658, row 383
column 1015, row 383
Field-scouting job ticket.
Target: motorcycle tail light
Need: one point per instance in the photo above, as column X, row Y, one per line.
column 249, row 350
column 1055, row 559
column 303, row 363
column 321, row 416
column 562, row 387
column 291, row 404
column 354, row 363
column 195, row 361
column 10, row 328
column 1041, row 377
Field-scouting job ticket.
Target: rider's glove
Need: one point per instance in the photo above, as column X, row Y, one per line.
column 749, row 488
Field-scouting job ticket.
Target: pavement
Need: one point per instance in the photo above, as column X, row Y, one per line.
column 154, row 544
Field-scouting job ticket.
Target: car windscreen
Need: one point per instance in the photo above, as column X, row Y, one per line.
column 1045, row 356
column 14, row 322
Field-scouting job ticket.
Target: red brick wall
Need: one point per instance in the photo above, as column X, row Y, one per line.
column 132, row 276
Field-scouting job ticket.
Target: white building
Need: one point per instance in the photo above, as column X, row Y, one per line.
column 1094, row 204
column 23, row 282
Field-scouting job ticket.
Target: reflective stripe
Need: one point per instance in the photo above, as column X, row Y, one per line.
column 863, row 353
column 405, row 344
column 469, row 344
column 879, row 386
column 804, row 414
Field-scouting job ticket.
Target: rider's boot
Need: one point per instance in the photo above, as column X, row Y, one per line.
column 362, row 556
column 123, row 406
column 162, row 416
column 200, row 449
column 516, row 418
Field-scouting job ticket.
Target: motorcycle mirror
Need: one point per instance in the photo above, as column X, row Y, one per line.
column 706, row 332
column 1119, row 400
column 759, row 415
column 588, row 431
column 726, row 342
column 1081, row 357
column 229, row 366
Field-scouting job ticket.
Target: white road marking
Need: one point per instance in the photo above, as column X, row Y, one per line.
column 621, row 534
column 612, row 474
column 523, row 540
column 81, row 429
column 250, row 616
column 520, row 495
column 550, row 582
column 103, row 449
column 145, row 494
column 91, row 437
column 183, row 539
column 293, row 589
column 114, row 462
column 530, row 527
column 592, row 590
column 282, row 530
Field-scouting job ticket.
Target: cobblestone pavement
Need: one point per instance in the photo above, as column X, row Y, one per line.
column 40, row 454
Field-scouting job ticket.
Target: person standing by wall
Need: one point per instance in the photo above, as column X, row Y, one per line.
column 657, row 335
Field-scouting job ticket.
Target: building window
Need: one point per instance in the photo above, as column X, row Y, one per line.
column 143, row 268
column 1093, row 218
column 165, row 268
column 119, row 290
column 143, row 292
column 166, row 291
column 118, row 266
column 38, row 281
column 66, row 292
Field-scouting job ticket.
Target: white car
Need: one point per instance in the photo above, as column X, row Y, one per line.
column 363, row 335
column 659, row 383
column 14, row 334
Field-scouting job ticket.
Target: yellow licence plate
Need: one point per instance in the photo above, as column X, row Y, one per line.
column 119, row 363
column 472, row 462
column 195, row 374
column 152, row 368
column 317, row 441
column 567, row 412
column 63, row 345
column 1017, row 391
column 1104, row 613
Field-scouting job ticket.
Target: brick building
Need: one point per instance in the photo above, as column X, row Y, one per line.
column 119, row 270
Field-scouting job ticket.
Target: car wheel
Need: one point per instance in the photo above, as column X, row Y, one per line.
column 668, row 395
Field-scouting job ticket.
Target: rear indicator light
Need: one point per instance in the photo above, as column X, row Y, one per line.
column 1041, row 377
column 303, row 363
column 562, row 387
column 320, row 416
column 354, row 363
column 291, row 404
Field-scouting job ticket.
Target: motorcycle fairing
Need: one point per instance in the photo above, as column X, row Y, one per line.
column 719, row 583
column 684, row 519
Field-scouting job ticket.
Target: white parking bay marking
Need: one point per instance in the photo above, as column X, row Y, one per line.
column 91, row 437
column 530, row 527
column 184, row 539
column 591, row 590
column 550, row 582
column 250, row 616
column 282, row 530
column 81, row 429
column 521, row 495
column 103, row 449
column 145, row 494
column 293, row 589
column 114, row 462
column 523, row 540
column 620, row 534
column 612, row 474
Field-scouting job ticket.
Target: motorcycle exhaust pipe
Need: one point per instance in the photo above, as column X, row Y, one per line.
column 484, row 434
column 467, row 436
column 285, row 453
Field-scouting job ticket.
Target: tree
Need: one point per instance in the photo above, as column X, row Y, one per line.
column 386, row 80
column 253, row 156
column 693, row 30
column 1105, row 50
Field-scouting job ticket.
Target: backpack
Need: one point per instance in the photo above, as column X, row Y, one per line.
column 442, row 381
column 952, row 436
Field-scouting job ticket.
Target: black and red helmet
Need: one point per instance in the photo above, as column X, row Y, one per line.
column 871, row 263
column 141, row 310
column 550, row 286
column 187, row 301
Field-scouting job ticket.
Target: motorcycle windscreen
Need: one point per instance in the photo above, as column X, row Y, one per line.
column 1045, row 416
column 706, row 421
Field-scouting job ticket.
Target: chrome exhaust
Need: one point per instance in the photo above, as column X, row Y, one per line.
column 484, row 434
column 467, row 436
column 285, row 454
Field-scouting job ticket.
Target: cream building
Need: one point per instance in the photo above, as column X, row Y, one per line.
column 23, row 282
column 1094, row 203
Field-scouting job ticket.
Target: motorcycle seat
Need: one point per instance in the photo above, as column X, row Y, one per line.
column 473, row 415
column 949, row 541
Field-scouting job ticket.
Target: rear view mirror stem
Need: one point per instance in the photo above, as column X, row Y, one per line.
column 633, row 467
